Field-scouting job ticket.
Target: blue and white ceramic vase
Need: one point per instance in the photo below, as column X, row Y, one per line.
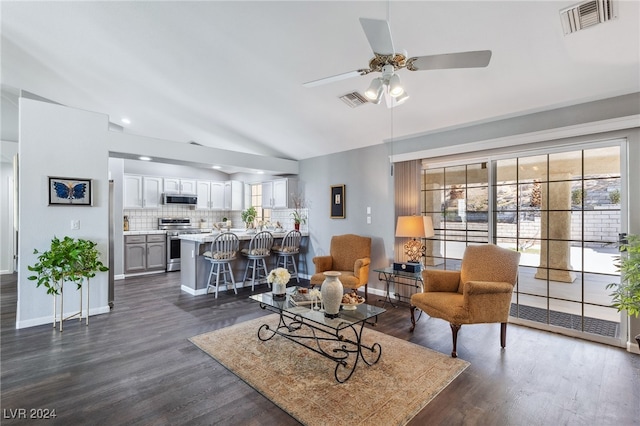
column 331, row 291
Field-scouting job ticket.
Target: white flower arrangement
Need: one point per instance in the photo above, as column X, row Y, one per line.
column 279, row 276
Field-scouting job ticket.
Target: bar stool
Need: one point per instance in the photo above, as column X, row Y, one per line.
column 287, row 252
column 222, row 252
column 259, row 250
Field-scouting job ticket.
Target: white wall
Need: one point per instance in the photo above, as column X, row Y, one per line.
column 63, row 142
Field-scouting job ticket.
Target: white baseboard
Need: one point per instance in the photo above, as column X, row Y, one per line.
column 633, row 347
column 119, row 277
column 192, row 291
column 49, row 318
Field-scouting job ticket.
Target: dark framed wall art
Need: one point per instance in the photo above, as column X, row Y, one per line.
column 337, row 201
column 69, row 191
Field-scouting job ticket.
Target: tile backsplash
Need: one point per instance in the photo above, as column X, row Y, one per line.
column 147, row 219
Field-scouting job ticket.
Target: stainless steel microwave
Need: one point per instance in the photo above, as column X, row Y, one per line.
column 187, row 199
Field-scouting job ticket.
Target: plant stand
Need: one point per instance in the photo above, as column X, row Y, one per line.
column 78, row 314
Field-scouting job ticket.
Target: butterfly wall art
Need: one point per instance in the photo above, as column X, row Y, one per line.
column 69, row 191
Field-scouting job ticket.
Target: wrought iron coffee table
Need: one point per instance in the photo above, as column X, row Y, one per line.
column 339, row 339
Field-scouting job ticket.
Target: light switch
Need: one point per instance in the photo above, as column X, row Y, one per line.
column 368, row 210
column 368, row 220
column 75, row 224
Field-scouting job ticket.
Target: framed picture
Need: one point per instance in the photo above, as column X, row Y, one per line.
column 337, row 202
column 69, row 191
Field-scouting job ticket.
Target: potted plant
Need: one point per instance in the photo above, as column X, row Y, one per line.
column 626, row 294
column 248, row 216
column 298, row 219
column 66, row 260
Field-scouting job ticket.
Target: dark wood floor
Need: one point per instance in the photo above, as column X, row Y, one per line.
column 134, row 365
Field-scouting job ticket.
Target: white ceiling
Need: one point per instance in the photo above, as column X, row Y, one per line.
column 229, row 74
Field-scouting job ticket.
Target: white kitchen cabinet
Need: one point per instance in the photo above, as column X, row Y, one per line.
column 152, row 190
column 278, row 194
column 132, row 192
column 217, row 195
column 179, row 186
column 225, row 196
column 233, row 195
column 203, row 191
column 142, row 192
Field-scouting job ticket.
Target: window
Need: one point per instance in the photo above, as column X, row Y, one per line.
column 256, row 201
column 561, row 209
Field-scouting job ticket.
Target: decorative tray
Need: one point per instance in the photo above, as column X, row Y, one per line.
column 301, row 298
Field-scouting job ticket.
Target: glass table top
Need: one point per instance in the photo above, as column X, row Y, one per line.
column 389, row 270
column 345, row 317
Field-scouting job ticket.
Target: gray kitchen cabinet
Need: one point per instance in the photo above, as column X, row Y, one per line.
column 156, row 252
column 144, row 253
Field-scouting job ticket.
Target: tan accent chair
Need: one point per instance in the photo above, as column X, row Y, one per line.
column 479, row 293
column 350, row 255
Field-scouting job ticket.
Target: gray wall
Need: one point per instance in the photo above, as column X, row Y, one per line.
column 366, row 176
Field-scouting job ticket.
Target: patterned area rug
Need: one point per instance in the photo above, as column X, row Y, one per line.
column 302, row 382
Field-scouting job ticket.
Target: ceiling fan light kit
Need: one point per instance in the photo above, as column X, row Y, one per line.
column 387, row 61
column 374, row 92
column 395, row 88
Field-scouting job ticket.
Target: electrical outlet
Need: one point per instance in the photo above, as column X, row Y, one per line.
column 368, row 220
column 75, row 224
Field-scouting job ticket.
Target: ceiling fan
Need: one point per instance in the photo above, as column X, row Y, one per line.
column 387, row 61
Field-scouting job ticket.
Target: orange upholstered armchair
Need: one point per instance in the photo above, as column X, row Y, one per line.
column 349, row 254
column 479, row 293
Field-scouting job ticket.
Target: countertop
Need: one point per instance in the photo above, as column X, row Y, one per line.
column 148, row 231
column 242, row 235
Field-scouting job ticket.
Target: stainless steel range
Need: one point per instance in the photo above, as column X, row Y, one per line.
column 174, row 227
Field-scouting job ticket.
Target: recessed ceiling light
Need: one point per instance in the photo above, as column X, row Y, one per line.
column 260, row 172
column 143, row 158
column 126, row 120
column 216, row 167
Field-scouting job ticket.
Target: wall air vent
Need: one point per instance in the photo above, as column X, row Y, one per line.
column 587, row 14
column 354, row 99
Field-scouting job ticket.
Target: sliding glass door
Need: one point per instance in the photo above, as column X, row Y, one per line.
column 561, row 210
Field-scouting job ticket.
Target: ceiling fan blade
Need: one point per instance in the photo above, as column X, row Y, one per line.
column 338, row 77
column 475, row 59
column 379, row 35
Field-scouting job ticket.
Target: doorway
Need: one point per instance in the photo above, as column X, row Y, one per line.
column 561, row 208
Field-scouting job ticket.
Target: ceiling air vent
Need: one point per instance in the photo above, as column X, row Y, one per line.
column 587, row 14
column 354, row 99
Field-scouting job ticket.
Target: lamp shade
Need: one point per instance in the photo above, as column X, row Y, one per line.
column 414, row 227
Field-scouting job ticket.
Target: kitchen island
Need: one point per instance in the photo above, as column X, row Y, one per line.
column 195, row 268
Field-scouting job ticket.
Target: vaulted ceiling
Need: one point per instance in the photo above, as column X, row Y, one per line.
column 230, row 74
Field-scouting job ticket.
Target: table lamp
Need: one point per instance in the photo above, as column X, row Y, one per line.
column 414, row 227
